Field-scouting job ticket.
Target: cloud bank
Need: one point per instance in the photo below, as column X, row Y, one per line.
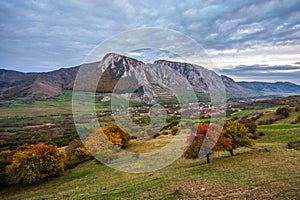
column 45, row 35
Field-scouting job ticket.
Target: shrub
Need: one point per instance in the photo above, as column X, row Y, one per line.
column 143, row 134
column 252, row 126
column 297, row 108
column 5, row 159
column 262, row 122
column 76, row 153
column 116, row 135
column 174, row 130
column 260, row 134
column 99, row 145
column 36, row 163
column 297, row 120
column 294, row 145
column 283, row 110
column 105, row 142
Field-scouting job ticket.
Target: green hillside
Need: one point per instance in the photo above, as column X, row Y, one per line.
column 270, row 170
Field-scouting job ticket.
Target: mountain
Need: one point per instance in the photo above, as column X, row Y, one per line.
column 121, row 74
column 43, row 85
column 160, row 77
column 278, row 88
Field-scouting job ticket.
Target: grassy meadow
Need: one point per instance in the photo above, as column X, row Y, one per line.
column 269, row 170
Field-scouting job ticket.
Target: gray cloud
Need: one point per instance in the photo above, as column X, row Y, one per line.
column 44, row 35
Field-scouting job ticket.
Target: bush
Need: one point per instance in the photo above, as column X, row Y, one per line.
column 5, row 159
column 297, row 108
column 252, row 126
column 283, row 110
column 174, row 130
column 297, row 120
column 260, row 134
column 256, row 117
column 76, row 153
column 106, row 141
column 36, row 163
column 144, row 134
column 262, row 122
column 294, row 145
column 116, row 135
column 101, row 148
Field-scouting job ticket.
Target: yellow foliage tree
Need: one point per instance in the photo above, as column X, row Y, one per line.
column 238, row 133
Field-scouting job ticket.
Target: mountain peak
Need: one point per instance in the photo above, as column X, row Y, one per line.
column 116, row 57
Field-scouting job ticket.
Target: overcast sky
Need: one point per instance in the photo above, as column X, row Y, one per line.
column 247, row 40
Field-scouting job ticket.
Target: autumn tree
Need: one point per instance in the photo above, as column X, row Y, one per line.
column 36, row 163
column 209, row 138
column 238, row 133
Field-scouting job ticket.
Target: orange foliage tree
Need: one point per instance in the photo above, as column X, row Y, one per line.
column 209, row 138
column 36, row 163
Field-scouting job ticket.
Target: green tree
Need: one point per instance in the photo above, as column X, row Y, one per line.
column 36, row 163
column 239, row 134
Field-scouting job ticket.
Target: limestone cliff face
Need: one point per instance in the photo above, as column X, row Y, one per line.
column 162, row 78
column 119, row 74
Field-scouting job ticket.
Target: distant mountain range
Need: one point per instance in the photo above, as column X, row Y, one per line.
column 14, row 84
column 278, row 88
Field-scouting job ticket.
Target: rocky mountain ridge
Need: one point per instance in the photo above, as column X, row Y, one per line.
column 122, row 74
